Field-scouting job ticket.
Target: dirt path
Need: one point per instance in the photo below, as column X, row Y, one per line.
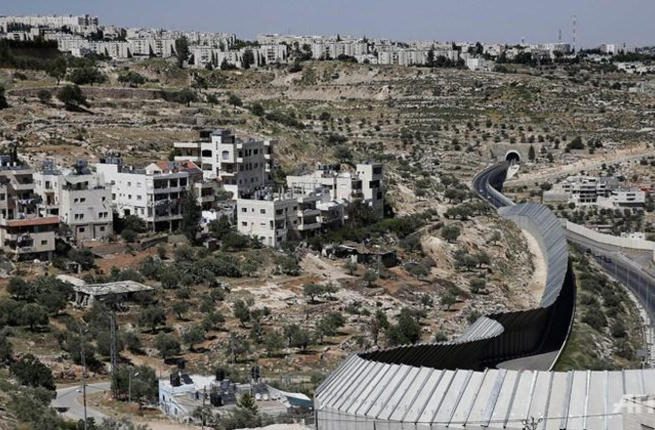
column 539, row 276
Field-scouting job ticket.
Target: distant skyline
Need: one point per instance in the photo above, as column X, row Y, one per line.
column 505, row 21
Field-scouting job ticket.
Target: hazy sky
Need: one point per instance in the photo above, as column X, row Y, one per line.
column 630, row 21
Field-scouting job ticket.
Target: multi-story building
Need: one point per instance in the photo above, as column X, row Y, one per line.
column 312, row 202
column 153, row 193
column 78, row 197
column 23, row 234
column 241, row 166
column 599, row 191
column 275, row 218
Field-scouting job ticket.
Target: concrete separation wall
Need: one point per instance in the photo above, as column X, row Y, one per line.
column 96, row 92
column 608, row 239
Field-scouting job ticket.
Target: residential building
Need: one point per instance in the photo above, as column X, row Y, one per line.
column 365, row 184
column 597, row 191
column 275, row 218
column 241, row 166
column 153, row 193
column 78, row 197
column 181, row 395
column 23, row 234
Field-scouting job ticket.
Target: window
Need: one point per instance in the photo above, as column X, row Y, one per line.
column 244, row 209
column 138, row 197
column 102, row 228
column 82, row 200
column 245, row 224
column 81, row 230
column 103, row 198
column 44, row 242
column 262, row 211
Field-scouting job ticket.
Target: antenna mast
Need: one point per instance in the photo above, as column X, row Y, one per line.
column 575, row 24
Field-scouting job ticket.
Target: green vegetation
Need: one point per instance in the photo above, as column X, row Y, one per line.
column 604, row 315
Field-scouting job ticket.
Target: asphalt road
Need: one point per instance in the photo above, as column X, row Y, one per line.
column 70, row 403
column 629, row 270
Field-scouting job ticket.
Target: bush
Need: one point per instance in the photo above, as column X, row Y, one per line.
column 86, row 75
column 44, row 96
column 234, row 100
column 71, row 96
column 31, row 372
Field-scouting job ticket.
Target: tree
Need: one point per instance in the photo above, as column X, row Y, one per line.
column 312, row 290
column 139, row 382
column 191, row 214
column 83, row 257
column 181, row 50
column 213, row 320
column 44, row 96
column 167, row 345
column 180, row 308
column 531, row 154
column 152, row 317
column 31, row 372
column 193, row 335
column 448, row 300
column 297, row 337
column 257, row 109
column 86, row 75
column 477, row 285
column 58, row 68
column 33, row 315
column 131, row 78
column 3, row 99
column 237, row 345
column 6, row 350
column 406, row 330
column 248, row 59
column 71, row 96
column 234, row 100
column 450, row 232
column 378, row 323
column 418, row 270
column 329, row 325
column 273, row 342
column 242, row 312
column 370, row 276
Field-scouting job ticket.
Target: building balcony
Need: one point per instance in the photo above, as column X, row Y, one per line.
column 194, row 158
column 309, row 227
column 18, row 186
column 187, row 145
column 305, row 213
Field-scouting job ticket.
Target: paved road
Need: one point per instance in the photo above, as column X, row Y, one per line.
column 69, row 401
column 631, row 270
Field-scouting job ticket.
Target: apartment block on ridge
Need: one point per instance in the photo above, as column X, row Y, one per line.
column 154, row 193
column 78, row 197
column 240, row 166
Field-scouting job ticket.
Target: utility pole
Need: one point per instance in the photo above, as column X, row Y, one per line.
column 83, row 359
column 202, row 413
column 113, row 352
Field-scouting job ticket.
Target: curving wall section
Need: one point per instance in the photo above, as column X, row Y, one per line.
column 450, row 384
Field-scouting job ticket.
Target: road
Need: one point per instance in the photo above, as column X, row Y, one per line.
column 628, row 270
column 69, row 401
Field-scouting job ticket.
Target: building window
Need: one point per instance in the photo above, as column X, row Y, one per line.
column 102, row 228
column 244, row 224
column 262, row 211
column 82, row 200
column 244, row 209
column 44, row 242
column 81, row 230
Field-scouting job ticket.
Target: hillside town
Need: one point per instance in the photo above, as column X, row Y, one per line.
column 253, row 229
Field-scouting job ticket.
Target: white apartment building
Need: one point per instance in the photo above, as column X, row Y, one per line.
column 598, row 191
column 273, row 53
column 154, row 193
column 23, row 234
column 242, row 167
column 78, row 197
column 365, row 184
column 275, row 218
column 312, row 202
column 71, row 21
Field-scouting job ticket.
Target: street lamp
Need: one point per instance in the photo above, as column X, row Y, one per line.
column 129, row 385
